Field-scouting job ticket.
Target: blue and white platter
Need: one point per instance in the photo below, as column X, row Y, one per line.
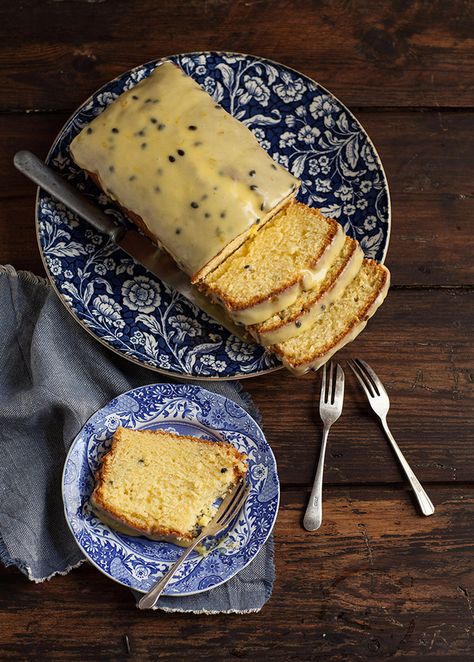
column 184, row 409
column 302, row 125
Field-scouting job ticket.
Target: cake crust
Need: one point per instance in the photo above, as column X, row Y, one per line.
column 351, row 330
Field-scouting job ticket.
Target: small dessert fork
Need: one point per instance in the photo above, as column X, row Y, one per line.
column 226, row 513
column 380, row 403
column 330, row 408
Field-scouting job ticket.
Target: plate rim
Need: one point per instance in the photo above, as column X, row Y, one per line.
column 169, row 373
column 86, row 555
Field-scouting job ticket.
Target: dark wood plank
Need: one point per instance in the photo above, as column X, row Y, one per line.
column 18, row 244
column 429, row 164
column 376, row 582
column 420, row 344
column 36, row 132
column 430, row 171
column 393, row 52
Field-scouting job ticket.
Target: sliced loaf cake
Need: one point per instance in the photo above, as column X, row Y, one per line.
column 297, row 318
column 291, row 254
column 340, row 323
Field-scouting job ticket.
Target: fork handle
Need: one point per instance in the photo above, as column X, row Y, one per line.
column 149, row 600
column 313, row 516
column 423, row 499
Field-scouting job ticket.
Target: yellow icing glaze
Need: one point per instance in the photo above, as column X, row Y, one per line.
column 291, row 330
column 196, row 176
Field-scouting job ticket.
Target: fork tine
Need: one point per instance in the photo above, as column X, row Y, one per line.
column 330, row 394
column 332, row 383
column 378, row 386
column 228, row 500
column 363, row 381
column 322, row 397
column 236, row 507
column 231, row 499
column 339, row 391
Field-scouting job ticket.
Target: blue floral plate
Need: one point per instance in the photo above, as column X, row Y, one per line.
column 300, row 124
column 136, row 561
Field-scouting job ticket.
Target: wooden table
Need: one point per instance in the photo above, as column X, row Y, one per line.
column 378, row 580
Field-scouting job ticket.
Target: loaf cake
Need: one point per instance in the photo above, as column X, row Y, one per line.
column 163, row 485
column 340, row 323
column 298, row 317
column 290, row 255
column 190, row 175
column 302, row 288
column 196, row 181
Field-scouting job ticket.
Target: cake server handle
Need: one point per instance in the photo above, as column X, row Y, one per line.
column 52, row 182
column 151, row 598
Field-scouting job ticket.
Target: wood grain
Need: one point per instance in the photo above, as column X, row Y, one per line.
column 419, row 342
column 371, row 584
column 377, row 582
column 18, row 245
column 430, row 169
column 389, row 53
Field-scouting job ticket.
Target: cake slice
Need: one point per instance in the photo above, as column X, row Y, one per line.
column 163, row 485
column 190, row 175
column 291, row 254
column 297, row 318
column 339, row 324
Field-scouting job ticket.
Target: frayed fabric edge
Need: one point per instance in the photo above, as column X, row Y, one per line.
column 38, row 580
column 207, row 612
column 27, row 276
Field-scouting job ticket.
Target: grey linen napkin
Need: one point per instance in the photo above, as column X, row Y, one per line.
column 54, row 376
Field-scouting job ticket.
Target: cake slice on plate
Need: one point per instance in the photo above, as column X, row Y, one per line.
column 162, row 485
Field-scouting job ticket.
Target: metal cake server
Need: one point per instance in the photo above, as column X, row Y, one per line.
column 139, row 247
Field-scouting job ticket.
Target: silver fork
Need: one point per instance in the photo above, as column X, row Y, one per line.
column 330, row 408
column 226, row 513
column 380, row 403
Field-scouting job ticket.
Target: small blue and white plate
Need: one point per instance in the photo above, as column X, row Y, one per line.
column 302, row 125
column 136, row 561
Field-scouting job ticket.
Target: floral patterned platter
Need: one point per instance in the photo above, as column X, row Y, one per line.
column 138, row 562
column 300, row 124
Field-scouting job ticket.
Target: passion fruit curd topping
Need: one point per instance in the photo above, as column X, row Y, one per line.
column 198, row 159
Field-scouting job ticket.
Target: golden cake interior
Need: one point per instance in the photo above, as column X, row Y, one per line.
column 164, row 485
column 292, row 253
column 340, row 323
